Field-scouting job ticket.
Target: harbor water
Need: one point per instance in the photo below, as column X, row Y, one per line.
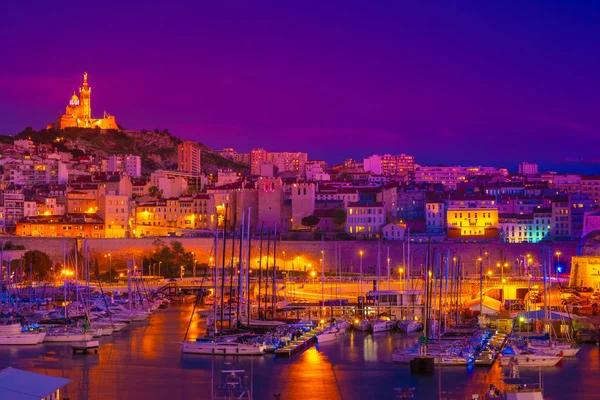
column 144, row 361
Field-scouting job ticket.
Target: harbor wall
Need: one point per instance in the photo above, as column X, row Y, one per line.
column 306, row 255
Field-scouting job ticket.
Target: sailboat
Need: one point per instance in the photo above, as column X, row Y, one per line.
column 215, row 345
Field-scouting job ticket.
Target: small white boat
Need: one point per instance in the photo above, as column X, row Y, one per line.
column 363, row 325
column 383, row 325
column 12, row 334
column 225, row 348
column 343, row 324
column 410, row 325
column 328, row 335
column 531, row 360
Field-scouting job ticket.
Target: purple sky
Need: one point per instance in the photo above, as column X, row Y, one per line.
column 487, row 82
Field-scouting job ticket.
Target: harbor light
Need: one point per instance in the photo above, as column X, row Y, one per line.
column 356, row 321
column 322, row 321
column 313, row 273
column 490, row 272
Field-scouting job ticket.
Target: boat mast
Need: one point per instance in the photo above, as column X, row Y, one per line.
column 241, row 269
column 65, row 277
column 408, row 263
column 233, row 240
column 274, row 292
column 215, row 280
column 223, row 265
column 262, row 227
column 267, row 272
column 248, row 267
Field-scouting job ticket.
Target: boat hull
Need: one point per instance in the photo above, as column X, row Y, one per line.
column 222, row 349
column 69, row 337
column 532, row 360
column 22, row 339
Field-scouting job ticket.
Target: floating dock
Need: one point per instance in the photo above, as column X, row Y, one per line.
column 297, row 346
column 86, row 347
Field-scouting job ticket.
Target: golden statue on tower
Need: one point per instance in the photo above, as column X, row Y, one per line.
column 78, row 113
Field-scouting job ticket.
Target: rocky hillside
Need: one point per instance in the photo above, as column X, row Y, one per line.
column 158, row 149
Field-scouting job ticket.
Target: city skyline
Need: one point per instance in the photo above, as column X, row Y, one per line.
column 470, row 86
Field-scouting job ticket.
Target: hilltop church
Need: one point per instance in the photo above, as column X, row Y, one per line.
column 78, row 113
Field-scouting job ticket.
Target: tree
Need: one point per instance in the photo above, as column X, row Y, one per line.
column 154, row 191
column 40, row 262
column 311, row 221
column 339, row 218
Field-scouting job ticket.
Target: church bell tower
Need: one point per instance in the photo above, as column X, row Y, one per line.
column 84, row 100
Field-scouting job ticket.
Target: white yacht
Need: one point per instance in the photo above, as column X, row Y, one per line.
column 223, row 348
column 328, row 335
column 13, row 334
column 61, row 335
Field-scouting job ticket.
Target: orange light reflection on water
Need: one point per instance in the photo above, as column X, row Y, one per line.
column 311, row 376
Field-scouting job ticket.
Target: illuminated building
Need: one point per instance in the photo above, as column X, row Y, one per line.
column 174, row 215
column 450, row 177
column 579, row 204
column 526, row 168
column 303, row 202
column 525, row 228
column 590, row 185
column 12, row 203
column 257, row 158
column 284, row 161
column 78, row 113
column 176, row 183
column 561, row 221
column 472, row 216
column 114, row 209
column 30, row 172
column 389, row 165
column 82, row 201
column 435, row 214
column 67, row 225
column 394, row 231
column 365, row 219
column 270, row 203
column 288, row 162
column 128, row 163
column 189, row 155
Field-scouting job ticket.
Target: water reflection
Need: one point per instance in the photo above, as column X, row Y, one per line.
column 144, row 362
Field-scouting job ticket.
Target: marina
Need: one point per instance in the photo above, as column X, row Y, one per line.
column 144, row 359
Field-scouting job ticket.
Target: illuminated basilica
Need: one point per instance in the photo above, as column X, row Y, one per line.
column 78, row 114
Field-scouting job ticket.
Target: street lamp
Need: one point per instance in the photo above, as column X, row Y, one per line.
column 160, row 262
